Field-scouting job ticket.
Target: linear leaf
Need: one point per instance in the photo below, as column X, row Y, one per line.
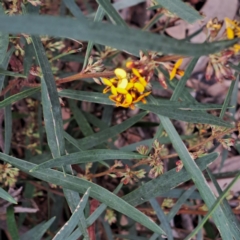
column 11, row 223
column 11, row 74
column 69, row 226
column 181, row 9
column 122, row 38
column 38, row 231
column 80, row 185
column 104, row 135
column 165, row 182
column 186, row 116
column 111, row 12
column 6, row 196
column 4, row 65
column 4, row 40
column 94, row 216
column 98, row 17
column 197, row 177
column 179, row 89
column 51, row 106
column 162, row 218
column 233, row 222
column 176, row 207
column 80, row 119
column 88, row 156
column 28, row 58
column 101, row 98
column 16, row 97
column 126, row 4
column 213, row 208
column 86, row 96
column 73, row 7
column 7, row 127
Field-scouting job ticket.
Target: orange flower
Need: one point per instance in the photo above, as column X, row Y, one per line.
column 176, row 71
column 126, row 89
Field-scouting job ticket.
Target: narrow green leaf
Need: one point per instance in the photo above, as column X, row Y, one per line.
column 107, row 228
column 80, row 119
column 111, row 12
column 181, row 84
column 7, row 127
column 176, row 207
column 69, row 226
column 19, row 96
column 4, row 65
column 98, row 17
column 38, row 231
column 119, row 5
column 180, row 202
column 11, row 74
column 11, row 223
column 80, row 185
column 95, row 121
column 4, row 40
column 186, row 116
column 28, row 58
column 197, row 177
column 104, row 135
column 51, row 106
column 94, row 216
column 86, row 96
column 181, row 9
column 88, row 156
column 165, row 182
column 122, row 38
column 162, row 218
column 107, row 114
column 232, row 220
column 6, row 196
column 73, row 7
column 103, row 99
column 227, row 99
column 213, row 208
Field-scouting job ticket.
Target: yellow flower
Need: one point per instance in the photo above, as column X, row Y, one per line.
column 118, row 84
column 176, row 71
column 233, row 30
column 126, row 89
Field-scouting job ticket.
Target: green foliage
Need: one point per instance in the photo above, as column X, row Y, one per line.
column 74, row 137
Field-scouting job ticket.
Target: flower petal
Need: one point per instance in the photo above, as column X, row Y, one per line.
column 106, row 89
column 128, row 98
column 120, row 73
column 107, row 82
column 136, row 72
column 139, row 87
column 129, row 86
column 141, row 97
column 178, row 63
column 122, row 91
column 122, row 83
column 173, row 73
column 113, row 90
column 230, row 33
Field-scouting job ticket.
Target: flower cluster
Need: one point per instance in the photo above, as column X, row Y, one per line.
column 126, row 88
column 8, row 174
column 154, row 159
column 217, row 65
column 149, row 62
column 130, row 176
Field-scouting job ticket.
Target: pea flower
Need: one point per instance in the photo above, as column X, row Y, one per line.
column 233, row 31
column 175, row 70
column 126, row 89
